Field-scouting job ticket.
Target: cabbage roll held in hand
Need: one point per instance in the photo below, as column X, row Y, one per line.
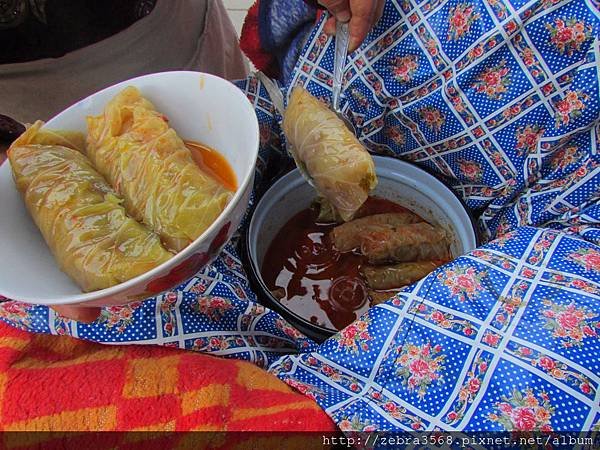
column 341, row 168
column 132, row 145
column 79, row 214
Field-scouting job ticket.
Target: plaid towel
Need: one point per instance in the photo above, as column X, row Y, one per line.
column 51, row 383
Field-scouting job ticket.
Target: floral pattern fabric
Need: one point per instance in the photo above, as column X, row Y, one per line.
column 501, row 101
column 504, row 359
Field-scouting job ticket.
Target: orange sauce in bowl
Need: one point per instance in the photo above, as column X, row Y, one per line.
column 214, row 164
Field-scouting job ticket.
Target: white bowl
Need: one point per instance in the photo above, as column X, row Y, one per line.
column 200, row 107
column 399, row 181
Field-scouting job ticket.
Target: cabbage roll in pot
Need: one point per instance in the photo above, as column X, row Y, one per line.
column 412, row 242
column 348, row 236
column 148, row 164
column 81, row 218
column 397, row 275
column 342, row 169
column 378, row 297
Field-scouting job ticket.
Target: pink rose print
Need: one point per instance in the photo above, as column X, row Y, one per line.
column 118, row 317
column 588, row 258
column 219, row 343
column 360, row 98
column 355, row 424
column 505, row 408
column 15, row 312
column 524, row 412
column 420, row 367
column 471, row 170
column 469, row 390
column 494, row 81
column 474, row 385
column 557, row 370
column 463, row 282
column 476, row 52
column 288, row 329
column 567, row 320
column 571, row 324
column 433, row 118
column 528, row 57
column 355, row 337
column 403, row 67
column 567, row 36
column 438, row 316
column 460, row 19
column 213, row 307
column 569, row 107
column 396, row 135
column 491, row 339
column 524, row 419
column 499, row 8
column 528, row 138
column 307, row 389
column 510, row 27
column 565, row 157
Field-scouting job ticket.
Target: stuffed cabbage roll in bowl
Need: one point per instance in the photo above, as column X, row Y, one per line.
column 148, row 189
column 134, row 147
column 82, row 219
column 321, row 272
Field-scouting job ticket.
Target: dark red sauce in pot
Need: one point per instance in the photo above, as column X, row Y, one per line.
column 310, row 277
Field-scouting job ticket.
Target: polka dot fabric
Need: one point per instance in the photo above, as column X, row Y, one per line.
column 456, row 360
column 500, row 100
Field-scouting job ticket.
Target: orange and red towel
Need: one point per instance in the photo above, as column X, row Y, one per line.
column 50, row 383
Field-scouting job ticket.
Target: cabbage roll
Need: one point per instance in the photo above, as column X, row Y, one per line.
column 378, row 297
column 36, row 135
column 412, row 242
column 348, row 236
column 398, row 275
column 342, row 169
column 81, row 218
column 148, row 164
column 326, row 213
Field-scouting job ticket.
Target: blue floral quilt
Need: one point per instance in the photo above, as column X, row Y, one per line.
column 500, row 99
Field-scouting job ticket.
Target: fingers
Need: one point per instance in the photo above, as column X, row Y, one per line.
column 83, row 314
column 361, row 14
column 379, row 11
column 330, row 26
column 339, row 8
column 364, row 16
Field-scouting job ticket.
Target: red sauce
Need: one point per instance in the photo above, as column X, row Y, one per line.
column 213, row 163
column 313, row 279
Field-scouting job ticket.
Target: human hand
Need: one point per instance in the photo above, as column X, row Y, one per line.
column 362, row 15
column 85, row 314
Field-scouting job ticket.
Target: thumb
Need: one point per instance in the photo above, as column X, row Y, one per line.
column 85, row 314
column 339, row 8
